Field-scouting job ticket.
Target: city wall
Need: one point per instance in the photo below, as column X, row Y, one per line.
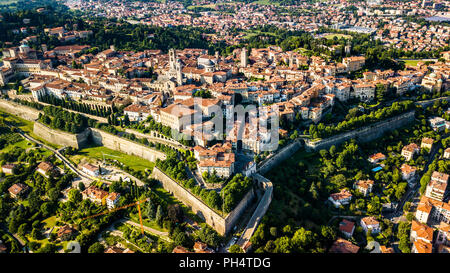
column 113, row 142
column 279, row 157
column 80, row 140
column 61, row 138
column 19, row 110
column 427, row 103
column 221, row 224
column 259, row 212
column 364, row 134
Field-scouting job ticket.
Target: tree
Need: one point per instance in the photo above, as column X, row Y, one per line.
column 400, row 190
column 235, row 249
column 46, row 209
column 126, row 120
column 53, row 194
column 213, row 200
column 115, row 186
column 283, row 245
column 380, row 91
column 36, row 234
column 150, row 210
column 410, row 216
column 273, row 232
column 339, row 180
column 403, row 236
column 209, row 236
column 180, row 238
column 159, row 215
column 303, row 238
column 287, row 230
column 332, row 150
column 175, row 213
column 313, row 191
column 407, row 206
column 374, row 206
column 323, row 153
column 22, row 229
column 48, row 248
column 75, row 196
column 259, row 236
column 34, row 200
column 96, row 248
column 328, row 234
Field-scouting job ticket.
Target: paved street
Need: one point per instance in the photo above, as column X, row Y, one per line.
column 414, row 191
column 61, row 157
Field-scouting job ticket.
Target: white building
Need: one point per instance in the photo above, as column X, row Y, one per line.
column 341, row 198
column 112, row 200
column 370, row 223
column 90, row 169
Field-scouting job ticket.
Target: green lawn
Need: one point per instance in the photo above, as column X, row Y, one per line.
column 23, row 124
column 266, row 2
column 24, row 144
column 170, row 199
column 302, row 50
column 413, row 62
column 146, row 222
column 50, row 222
column 97, row 152
column 331, row 36
column 202, row 6
column 26, row 126
column 251, row 33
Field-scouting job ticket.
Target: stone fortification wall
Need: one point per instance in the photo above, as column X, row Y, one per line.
column 221, row 224
column 61, row 138
column 363, row 134
column 114, row 142
column 19, row 110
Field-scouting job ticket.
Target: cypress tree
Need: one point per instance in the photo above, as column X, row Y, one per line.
column 159, row 215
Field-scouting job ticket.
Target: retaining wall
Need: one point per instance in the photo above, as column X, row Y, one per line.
column 114, row 142
column 61, row 138
column 19, row 110
column 364, row 134
column 221, row 224
column 279, row 157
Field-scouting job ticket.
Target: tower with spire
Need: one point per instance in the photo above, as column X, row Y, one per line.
column 175, row 67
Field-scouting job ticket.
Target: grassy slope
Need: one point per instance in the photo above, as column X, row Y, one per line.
column 97, row 152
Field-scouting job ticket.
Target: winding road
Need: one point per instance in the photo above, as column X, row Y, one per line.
column 57, row 154
column 259, row 212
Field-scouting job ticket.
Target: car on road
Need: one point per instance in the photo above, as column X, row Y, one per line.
column 233, row 241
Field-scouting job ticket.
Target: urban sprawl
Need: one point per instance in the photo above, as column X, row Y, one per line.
column 346, row 150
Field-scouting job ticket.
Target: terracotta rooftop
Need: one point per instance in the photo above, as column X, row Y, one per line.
column 343, row 246
column 346, row 226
